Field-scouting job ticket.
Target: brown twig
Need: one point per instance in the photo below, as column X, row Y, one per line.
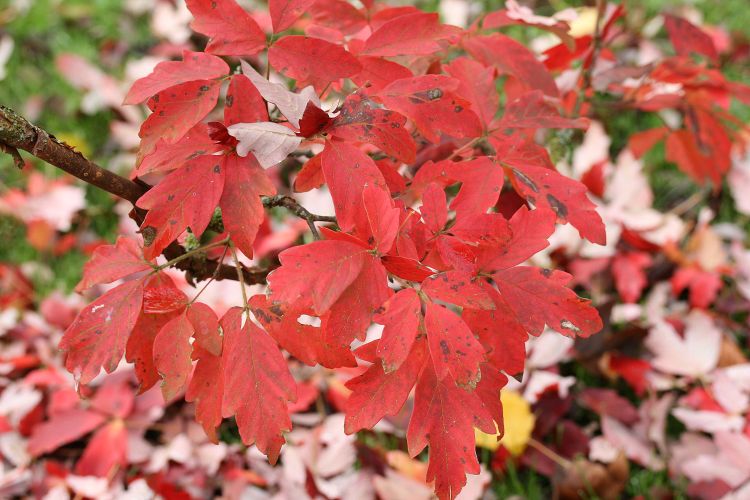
column 291, row 204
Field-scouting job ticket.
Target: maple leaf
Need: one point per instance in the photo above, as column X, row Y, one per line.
column 481, row 182
column 419, row 33
column 377, row 224
column 352, row 313
column 628, row 270
column 233, row 32
column 257, row 384
column 312, row 61
column 194, row 66
column 185, row 198
column 339, row 15
column 457, row 288
column 305, row 342
column 536, row 297
column 161, row 295
column 269, row 142
column 378, row 72
column 98, row 336
column 477, row 86
column 431, row 102
column 112, row 262
column 206, row 390
column 106, row 451
column 687, row 38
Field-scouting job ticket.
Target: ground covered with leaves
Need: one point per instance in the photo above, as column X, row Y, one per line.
column 656, row 404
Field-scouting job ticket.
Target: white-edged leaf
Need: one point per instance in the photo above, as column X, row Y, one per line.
column 291, row 105
column 270, row 142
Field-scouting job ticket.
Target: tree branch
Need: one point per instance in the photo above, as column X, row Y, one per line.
column 17, row 133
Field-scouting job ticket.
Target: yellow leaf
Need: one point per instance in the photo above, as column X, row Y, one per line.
column 585, row 23
column 518, row 423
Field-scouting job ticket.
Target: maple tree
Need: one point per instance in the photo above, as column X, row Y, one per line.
column 441, row 196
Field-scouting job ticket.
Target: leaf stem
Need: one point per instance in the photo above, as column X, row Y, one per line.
column 544, row 450
column 192, row 252
column 240, row 276
column 212, row 278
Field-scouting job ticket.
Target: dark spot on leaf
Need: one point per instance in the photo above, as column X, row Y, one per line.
column 149, row 234
column 444, row 347
column 458, row 109
column 546, row 272
column 262, row 315
column 217, row 169
column 558, row 206
column 525, row 180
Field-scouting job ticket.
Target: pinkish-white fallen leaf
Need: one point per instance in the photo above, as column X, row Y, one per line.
column 694, row 354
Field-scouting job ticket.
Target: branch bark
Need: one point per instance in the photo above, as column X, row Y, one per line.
column 18, row 133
